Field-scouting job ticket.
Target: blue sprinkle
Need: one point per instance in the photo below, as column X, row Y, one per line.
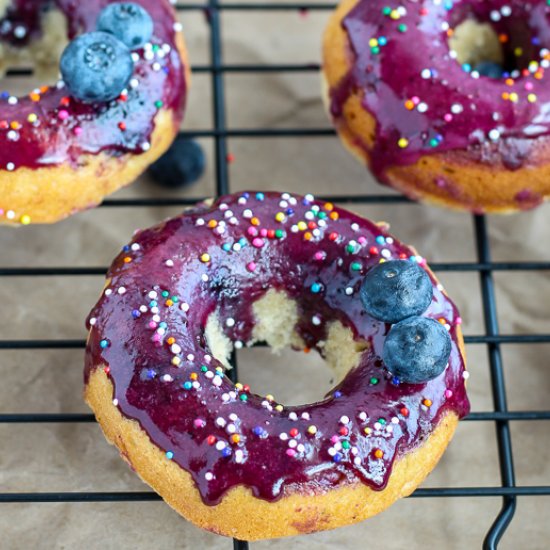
column 289, row 211
column 226, row 451
column 395, row 381
column 315, row 288
column 260, row 196
column 382, row 41
column 125, row 248
column 169, row 455
column 151, row 374
column 5, row 95
column 246, row 195
column 226, row 247
column 104, row 344
column 258, row 430
column 466, row 67
column 187, row 385
column 337, row 457
column 337, row 394
column 243, row 242
column 136, row 314
column 380, row 239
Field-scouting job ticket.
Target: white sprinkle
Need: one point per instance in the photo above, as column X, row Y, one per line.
column 10, row 214
column 357, row 461
column 494, row 134
column 199, row 222
column 506, row 11
column 247, row 213
column 121, row 290
column 316, row 320
column 377, row 425
column 395, row 420
column 293, row 416
column 231, row 428
column 422, row 107
column 93, row 321
column 456, row 108
column 331, row 451
column 217, row 381
column 178, row 27
column 220, row 445
column 305, row 416
column 292, row 443
column 238, row 344
column 283, row 436
column 175, row 349
column 239, row 456
column 209, row 476
column 167, row 378
column 169, row 263
column 465, row 375
column 300, row 448
column 152, row 294
column 230, row 322
column 204, row 277
column 363, row 416
column 115, row 402
column 135, row 247
column 349, row 291
column 426, row 73
column 190, row 357
column 344, row 419
column 309, row 197
column 108, row 292
column 184, row 306
column 10, row 167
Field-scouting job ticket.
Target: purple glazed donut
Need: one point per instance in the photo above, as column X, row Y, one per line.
column 445, row 101
column 287, row 270
column 60, row 154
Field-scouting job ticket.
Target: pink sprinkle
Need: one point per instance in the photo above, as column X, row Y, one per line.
column 63, row 114
column 334, row 439
column 156, row 338
column 252, row 231
column 263, row 232
column 1, row 211
column 257, row 242
column 291, row 452
column 448, row 394
column 458, row 321
column 415, row 100
column 251, row 266
column 152, row 324
column 528, row 85
column 448, row 117
column 362, row 240
column 198, row 422
column 78, row 131
column 319, row 255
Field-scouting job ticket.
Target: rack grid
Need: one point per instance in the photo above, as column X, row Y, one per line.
column 484, row 266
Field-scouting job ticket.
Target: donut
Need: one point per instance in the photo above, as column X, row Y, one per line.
column 116, row 109
column 445, row 102
column 289, row 271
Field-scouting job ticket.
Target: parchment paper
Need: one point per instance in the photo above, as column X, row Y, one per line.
column 75, row 457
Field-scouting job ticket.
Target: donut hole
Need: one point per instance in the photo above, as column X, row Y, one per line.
column 511, row 46
column 41, row 54
column 276, row 317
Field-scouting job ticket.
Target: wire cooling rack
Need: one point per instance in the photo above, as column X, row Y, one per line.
column 220, row 133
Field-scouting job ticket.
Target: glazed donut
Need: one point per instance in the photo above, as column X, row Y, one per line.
column 117, row 108
column 289, row 271
column 445, row 102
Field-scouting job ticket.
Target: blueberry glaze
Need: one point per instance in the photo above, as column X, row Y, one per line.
column 166, row 283
column 424, row 102
column 49, row 127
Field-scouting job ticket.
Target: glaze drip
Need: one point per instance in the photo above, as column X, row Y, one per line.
column 148, row 333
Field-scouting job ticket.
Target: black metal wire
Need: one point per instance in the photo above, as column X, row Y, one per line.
column 220, row 134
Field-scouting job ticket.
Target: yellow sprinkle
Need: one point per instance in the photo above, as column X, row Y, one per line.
column 518, row 52
column 403, row 142
column 32, row 118
column 269, row 397
column 176, row 361
column 514, row 97
column 239, row 386
column 368, row 430
column 279, row 408
column 373, row 42
column 302, row 226
column 25, row 219
column 235, row 438
column 312, row 430
column 205, row 258
column 531, row 98
column 395, row 15
column 279, row 217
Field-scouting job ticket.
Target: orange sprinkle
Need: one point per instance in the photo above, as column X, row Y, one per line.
column 427, row 402
column 212, row 223
column 505, row 95
column 235, row 438
column 307, row 350
column 15, row 125
column 170, row 340
column 409, row 104
column 503, row 38
column 442, row 320
column 509, row 82
column 44, row 89
column 334, row 215
column 308, row 236
column 34, row 97
column 255, row 221
column 329, row 206
column 169, row 303
column 378, row 453
column 127, row 260
column 193, row 376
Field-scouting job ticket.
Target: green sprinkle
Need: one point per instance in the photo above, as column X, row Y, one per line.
column 375, row 50
column 402, row 27
column 165, row 294
column 350, row 248
column 386, row 10
column 159, row 104
column 322, row 215
column 204, row 368
column 175, row 299
column 243, row 397
column 434, row 142
column 374, row 380
column 382, row 421
column 345, row 445
column 355, row 266
column 279, row 233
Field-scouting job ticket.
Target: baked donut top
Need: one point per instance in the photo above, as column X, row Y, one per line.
column 148, row 334
column 425, row 102
column 50, row 127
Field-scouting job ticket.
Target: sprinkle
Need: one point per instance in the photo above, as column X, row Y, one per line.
column 378, row 453
column 312, row 430
column 169, row 455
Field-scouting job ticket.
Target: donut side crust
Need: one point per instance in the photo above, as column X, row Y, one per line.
column 240, row 514
column 52, row 193
column 452, row 179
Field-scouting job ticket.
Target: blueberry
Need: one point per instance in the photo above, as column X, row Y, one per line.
column 395, row 290
column 129, row 22
column 181, row 165
column 96, row 67
column 490, row 69
column 417, row 350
